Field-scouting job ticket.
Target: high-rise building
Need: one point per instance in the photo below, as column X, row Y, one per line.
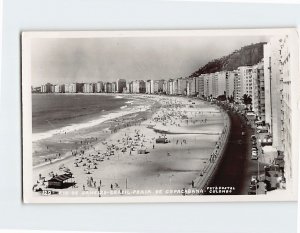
column 47, row 88
column 138, row 86
column 230, row 77
column 107, row 87
column 286, row 105
column 272, row 84
column 120, row 84
column 201, row 85
column 174, row 87
column 258, row 98
column 89, row 87
column 165, row 86
column 99, row 87
column 208, row 84
column 73, row 87
column 114, row 87
column 59, row 88
column 148, row 87
column 158, row 86
column 219, row 84
column 181, row 86
column 170, row 87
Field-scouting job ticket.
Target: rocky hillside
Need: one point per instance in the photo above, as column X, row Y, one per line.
column 247, row 56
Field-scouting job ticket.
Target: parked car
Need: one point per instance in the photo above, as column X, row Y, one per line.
column 253, row 180
column 254, row 148
column 253, row 137
column 254, row 155
column 252, row 190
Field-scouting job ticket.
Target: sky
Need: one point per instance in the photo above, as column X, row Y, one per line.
column 66, row 60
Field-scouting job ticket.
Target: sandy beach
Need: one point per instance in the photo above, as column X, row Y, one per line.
column 121, row 155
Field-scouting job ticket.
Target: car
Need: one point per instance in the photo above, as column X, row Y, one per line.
column 254, row 149
column 253, row 137
column 253, row 180
column 252, row 190
column 243, row 133
column 254, row 155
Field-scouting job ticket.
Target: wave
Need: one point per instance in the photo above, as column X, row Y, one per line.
column 74, row 127
column 119, row 97
column 129, row 102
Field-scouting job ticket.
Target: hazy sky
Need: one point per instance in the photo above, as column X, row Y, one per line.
column 106, row 59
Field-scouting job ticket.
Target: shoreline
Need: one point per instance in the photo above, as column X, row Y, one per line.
column 103, row 124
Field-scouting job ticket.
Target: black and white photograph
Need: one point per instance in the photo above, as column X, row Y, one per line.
column 160, row 116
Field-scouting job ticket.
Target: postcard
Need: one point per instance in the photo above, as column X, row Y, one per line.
column 160, row 116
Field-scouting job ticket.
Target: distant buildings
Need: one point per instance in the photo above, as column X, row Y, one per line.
column 74, row 88
column 138, row 86
column 46, row 88
column 89, row 88
column 59, row 88
column 107, row 87
column 99, row 87
column 120, row 84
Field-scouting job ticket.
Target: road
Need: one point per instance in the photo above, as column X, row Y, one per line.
column 236, row 167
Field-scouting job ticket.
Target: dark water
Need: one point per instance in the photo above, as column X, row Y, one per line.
column 51, row 111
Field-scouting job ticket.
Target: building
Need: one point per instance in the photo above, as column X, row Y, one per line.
column 120, row 84
column 99, row 87
column 208, row 84
column 230, row 77
column 107, row 87
column 47, row 88
column 181, row 86
column 59, row 88
column 148, row 86
column 114, row 87
column 129, row 87
column 258, row 98
column 158, row 86
column 89, row 87
column 286, row 105
column 201, row 85
column 152, row 86
column 272, row 82
column 170, row 87
column 165, row 87
column 219, row 84
column 174, row 87
column 138, row 86
column 74, row 87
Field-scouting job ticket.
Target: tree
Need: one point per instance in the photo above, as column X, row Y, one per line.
column 247, row 99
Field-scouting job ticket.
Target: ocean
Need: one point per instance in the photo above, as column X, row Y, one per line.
column 51, row 112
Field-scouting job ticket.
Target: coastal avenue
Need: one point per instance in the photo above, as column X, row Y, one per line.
column 237, row 167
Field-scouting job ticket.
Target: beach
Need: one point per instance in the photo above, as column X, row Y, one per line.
column 156, row 146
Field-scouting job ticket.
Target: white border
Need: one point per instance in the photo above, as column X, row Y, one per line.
column 27, row 114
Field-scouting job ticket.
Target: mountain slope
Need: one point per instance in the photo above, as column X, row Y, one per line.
column 247, row 56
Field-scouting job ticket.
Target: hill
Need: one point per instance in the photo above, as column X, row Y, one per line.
column 246, row 56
